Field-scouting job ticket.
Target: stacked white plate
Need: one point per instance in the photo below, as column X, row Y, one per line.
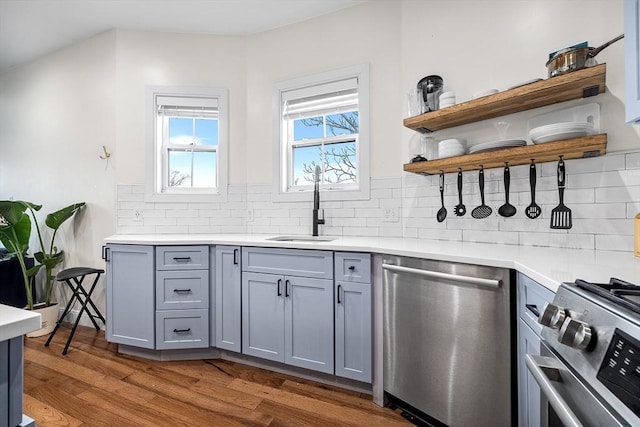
column 451, row 148
column 447, row 99
column 496, row 145
column 559, row 131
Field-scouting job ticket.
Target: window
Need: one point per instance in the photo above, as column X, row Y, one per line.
column 324, row 122
column 188, row 143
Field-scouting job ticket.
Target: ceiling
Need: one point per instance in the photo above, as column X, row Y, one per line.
column 32, row 28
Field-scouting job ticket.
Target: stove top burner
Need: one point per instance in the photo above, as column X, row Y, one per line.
column 618, row 291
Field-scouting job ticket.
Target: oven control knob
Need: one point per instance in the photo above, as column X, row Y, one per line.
column 552, row 316
column 575, row 333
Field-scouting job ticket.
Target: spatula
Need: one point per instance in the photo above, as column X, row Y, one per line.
column 483, row 210
column 561, row 215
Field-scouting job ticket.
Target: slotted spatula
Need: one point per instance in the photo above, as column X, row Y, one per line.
column 483, row 210
column 561, row 215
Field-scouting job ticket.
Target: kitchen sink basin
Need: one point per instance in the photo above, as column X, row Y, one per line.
column 302, row 239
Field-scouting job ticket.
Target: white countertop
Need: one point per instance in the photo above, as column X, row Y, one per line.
column 15, row 322
column 547, row 266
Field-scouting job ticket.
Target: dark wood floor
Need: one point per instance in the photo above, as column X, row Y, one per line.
column 94, row 386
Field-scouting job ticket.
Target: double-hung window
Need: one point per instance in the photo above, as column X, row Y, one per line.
column 189, row 142
column 324, row 124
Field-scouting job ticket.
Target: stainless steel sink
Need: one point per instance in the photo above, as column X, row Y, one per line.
column 302, row 239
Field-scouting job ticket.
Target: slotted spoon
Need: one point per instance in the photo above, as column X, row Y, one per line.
column 483, row 210
column 460, row 209
column 533, row 211
column 561, row 215
column 442, row 212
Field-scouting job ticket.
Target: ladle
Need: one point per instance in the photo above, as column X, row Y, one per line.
column 507, row 209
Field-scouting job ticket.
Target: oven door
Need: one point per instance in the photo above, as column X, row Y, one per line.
column 564, row 399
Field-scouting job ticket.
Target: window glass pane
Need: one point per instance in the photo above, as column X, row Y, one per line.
column 204, row 169
column 308, row 128
column 180, row 131
column 179, row 169
column 342, row 123
column 207, row 131
column 340, row 164
column 305, row 160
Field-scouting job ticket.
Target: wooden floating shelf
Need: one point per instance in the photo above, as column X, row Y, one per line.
column 577, row 148
column 574, row 85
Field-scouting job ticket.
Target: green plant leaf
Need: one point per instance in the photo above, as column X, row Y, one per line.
column 34, row 270
column 56, row 219
column 15, row 235
column 49, row 260
column 12, row 211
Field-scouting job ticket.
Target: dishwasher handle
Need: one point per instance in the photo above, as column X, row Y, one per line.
column 489, row 283
column 545, row 370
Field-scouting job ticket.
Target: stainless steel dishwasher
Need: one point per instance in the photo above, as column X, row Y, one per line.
column 448, row 356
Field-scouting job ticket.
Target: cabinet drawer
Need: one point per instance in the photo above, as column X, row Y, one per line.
column 182, row 289
column 182, row 257
column 182, row 329
column 531, row 296
column 291, row 262
column 353, row 267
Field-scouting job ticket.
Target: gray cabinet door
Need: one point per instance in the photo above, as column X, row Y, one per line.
column 130, row 295
column 529, row 392
column 353, row 330
column 228, row 286
column 263, row 316
column 309, row 323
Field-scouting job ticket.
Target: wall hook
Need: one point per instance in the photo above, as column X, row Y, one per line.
column 106, row 153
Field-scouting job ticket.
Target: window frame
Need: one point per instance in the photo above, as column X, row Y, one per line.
column 157, row 162
column 283, row 162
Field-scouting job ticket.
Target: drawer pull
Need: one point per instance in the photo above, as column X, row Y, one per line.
column 235, row 257
column 182, row 331
column 182, row 291
column 182, row 258
column 286, row 288
column 279, row 287
column 533, row 308
column 352, row 267
column 339, row 288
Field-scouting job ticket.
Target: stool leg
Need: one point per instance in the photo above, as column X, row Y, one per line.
column 90, row 302
column 62, row 316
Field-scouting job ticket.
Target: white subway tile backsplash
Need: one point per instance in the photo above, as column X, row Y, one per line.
column 603, row 194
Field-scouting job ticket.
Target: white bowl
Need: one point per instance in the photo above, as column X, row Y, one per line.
column 446, row 95
column 448, row 103
column 486, row 92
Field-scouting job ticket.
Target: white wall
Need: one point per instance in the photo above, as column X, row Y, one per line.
column 55, row 115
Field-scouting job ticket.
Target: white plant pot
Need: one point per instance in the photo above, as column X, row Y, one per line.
column 49, row 318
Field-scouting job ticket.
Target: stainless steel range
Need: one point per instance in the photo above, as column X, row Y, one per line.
column 589, row 367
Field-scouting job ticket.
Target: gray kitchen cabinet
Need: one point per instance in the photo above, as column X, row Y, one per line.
column 130, row 295
column 228, row 286
column 182, row 297
column 531, row 298
column 631, row 59
column 287, row 317
column 353, row 316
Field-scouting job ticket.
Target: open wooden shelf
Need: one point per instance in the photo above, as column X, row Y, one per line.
column 575, row 85
column 589, row 146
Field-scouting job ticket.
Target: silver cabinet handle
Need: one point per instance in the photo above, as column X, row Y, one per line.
column 537, row 365
column 491, row 283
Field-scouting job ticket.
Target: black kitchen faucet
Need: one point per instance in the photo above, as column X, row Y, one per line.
column 316, row 203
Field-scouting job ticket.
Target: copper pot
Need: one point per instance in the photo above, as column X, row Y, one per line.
column 569, row 60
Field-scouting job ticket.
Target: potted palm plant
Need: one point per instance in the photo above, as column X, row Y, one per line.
column 15, row 232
